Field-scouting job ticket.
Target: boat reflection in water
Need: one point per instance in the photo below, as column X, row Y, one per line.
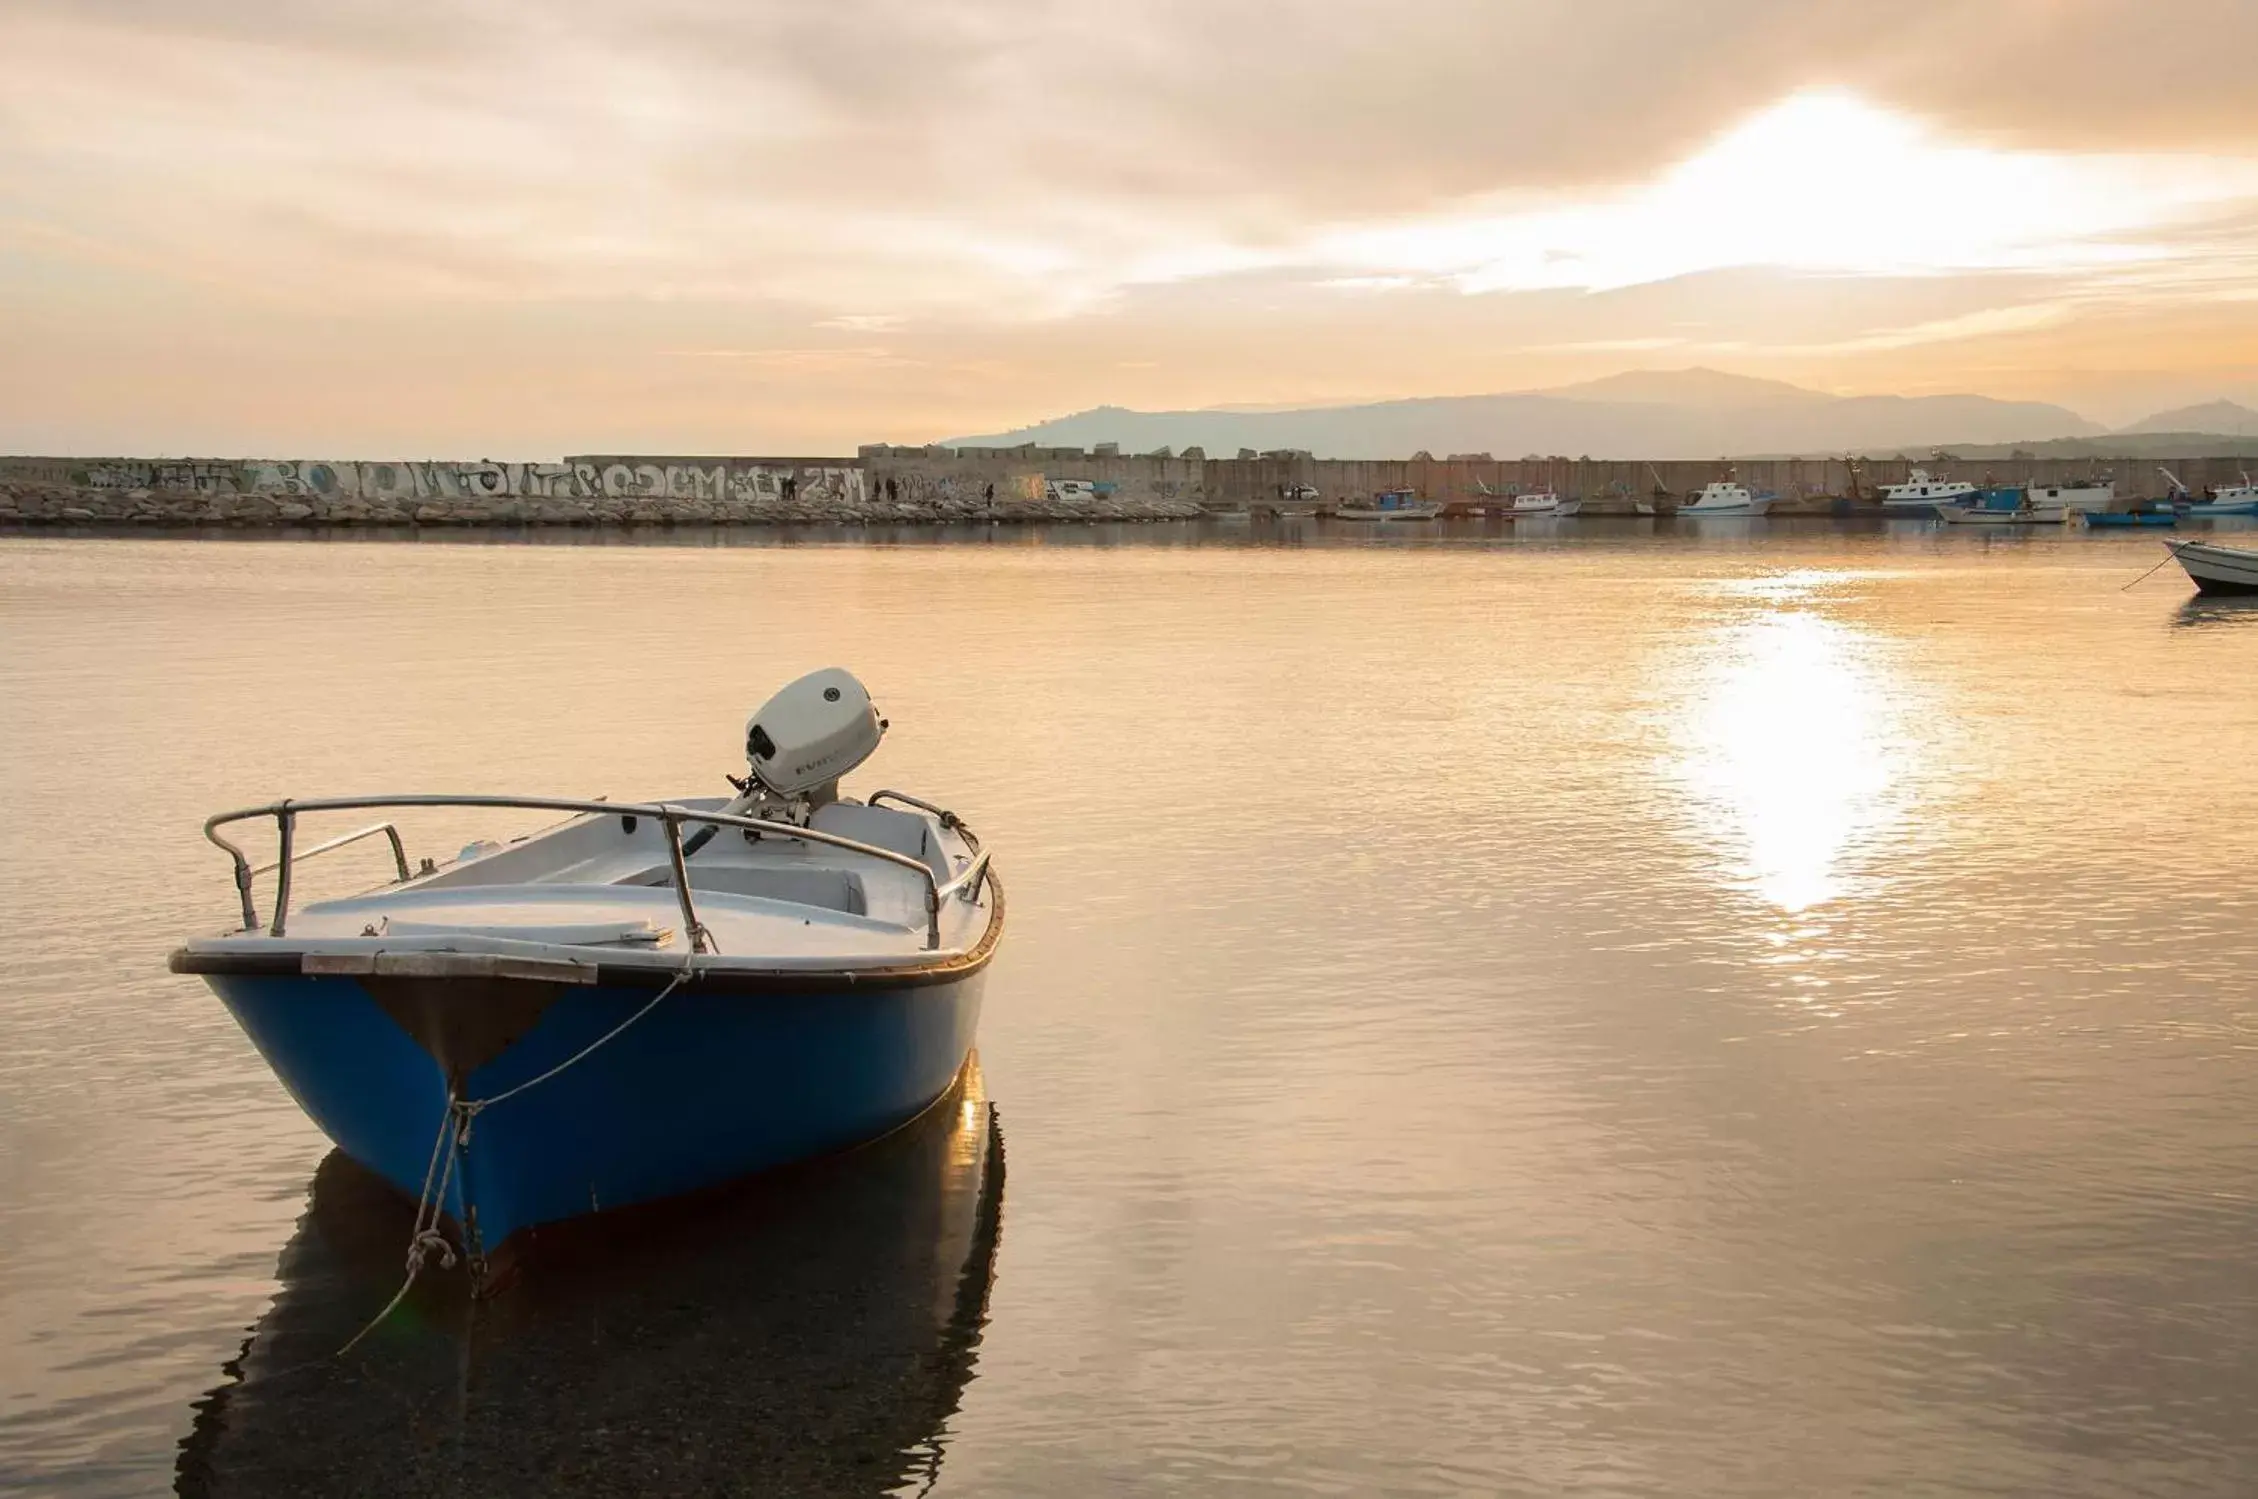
column 810, row 1331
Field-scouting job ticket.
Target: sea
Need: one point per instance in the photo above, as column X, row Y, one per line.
column 1733, row 1008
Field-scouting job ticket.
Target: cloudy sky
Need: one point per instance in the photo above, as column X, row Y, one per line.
column 516, row 228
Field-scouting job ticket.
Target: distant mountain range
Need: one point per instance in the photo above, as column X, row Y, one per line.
column 1649, row 414
column 2216, row 416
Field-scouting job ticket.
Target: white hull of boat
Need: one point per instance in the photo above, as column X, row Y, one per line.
column 1726, row 498
column 2218, row 569
column 1544, row 506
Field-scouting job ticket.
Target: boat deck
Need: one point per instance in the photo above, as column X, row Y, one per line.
column 600, row 888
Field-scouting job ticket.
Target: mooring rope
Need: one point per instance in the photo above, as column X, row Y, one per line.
column 427, row 1238
column 2171, row 555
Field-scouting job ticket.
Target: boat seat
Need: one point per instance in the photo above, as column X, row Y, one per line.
column 814, row 885
column 801, row 884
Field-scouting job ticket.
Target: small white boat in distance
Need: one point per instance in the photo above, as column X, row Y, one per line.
column 2225, row 499
column 2217, row 569
column 1724, row 497
column 1395, row 504
column 1923, row 493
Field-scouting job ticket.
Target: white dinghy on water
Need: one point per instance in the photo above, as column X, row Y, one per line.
column 641, row 1001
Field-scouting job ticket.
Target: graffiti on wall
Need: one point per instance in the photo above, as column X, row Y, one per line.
column 748, row 481
column 1072, row 491
column 204, row 476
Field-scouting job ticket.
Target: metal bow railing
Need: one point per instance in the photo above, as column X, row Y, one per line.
column 965, row 886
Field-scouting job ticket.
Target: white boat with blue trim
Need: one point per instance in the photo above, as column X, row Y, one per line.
column 1725, row 497
column 2225, row 500
column 2002, row 506
column 641, row 1001
column 1922, row 493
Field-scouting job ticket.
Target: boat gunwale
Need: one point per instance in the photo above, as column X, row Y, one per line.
column 964, row 885
column 712, row 973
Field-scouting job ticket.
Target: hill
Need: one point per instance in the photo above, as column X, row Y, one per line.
column 2214, row 416
column 1639, row 414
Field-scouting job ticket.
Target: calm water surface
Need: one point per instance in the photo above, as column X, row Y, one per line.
column 1739, row 1013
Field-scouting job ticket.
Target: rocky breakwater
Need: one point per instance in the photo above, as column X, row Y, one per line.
column 48, row 504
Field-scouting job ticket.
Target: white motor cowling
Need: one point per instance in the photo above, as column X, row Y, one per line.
column 812, row 732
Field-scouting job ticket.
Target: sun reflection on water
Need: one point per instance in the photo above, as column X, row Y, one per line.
column 1793, row 741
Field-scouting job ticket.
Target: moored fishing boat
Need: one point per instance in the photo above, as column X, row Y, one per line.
column 643, row 1000
column 1542, row 503
column 1724, row 497
column 2085, row 495
column 1390, row 505
column 1922, row 493
column 2138, row 513
column 2217, row 569
column 1528, row 505
column 2225, row 500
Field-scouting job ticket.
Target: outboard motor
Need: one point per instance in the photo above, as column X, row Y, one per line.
column 812, row 732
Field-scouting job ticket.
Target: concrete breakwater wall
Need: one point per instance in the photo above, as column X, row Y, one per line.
column 928, row 485
column 579, row 491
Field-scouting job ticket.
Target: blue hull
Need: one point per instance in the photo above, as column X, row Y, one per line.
column 709, row 1086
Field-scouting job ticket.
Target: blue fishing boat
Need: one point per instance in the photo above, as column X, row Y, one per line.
column 2139, row 513
column 640, row 1001
column 2224, row 500
column 1392, row 504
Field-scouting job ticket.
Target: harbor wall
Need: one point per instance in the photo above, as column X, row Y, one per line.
column 892, row 484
